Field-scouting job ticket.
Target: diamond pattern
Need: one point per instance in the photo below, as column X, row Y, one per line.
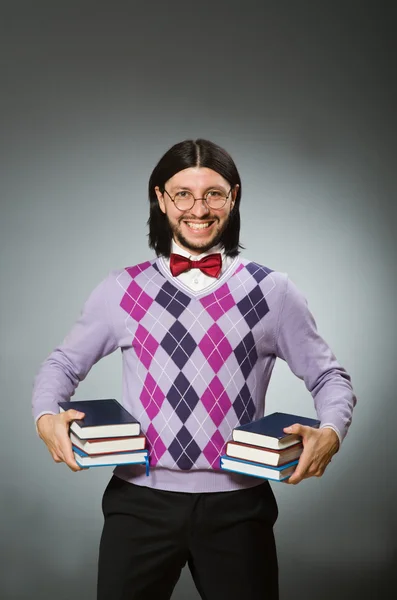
column 155, row 445
column 194, row 362
column 184, row 450
column 151, row 397
column 244, row 406
column 145, row 345
column 135, row 301
column 137, row 269
column 253, row 307
column 257, row 271
column 172, row 299
column 214, row 449
column 182, row 397
column 216, row 401
column 246, row 354
column 219, row 302
column 179, row 344
column 215, row 347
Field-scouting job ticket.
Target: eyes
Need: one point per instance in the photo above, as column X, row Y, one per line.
column 213, row 194
column 185, row 200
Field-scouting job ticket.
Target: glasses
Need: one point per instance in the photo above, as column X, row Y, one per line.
column 185, row 200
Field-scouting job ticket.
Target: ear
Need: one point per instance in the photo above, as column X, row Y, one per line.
column 234, row 196
column 160, row 198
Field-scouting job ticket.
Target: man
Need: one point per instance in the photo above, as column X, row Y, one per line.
column 199, row 328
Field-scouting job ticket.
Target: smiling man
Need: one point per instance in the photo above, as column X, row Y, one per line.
column 200, row 328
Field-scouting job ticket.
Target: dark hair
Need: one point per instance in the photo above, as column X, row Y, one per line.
column 186, row 154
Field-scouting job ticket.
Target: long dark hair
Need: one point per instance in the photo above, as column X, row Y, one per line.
column 186, row 154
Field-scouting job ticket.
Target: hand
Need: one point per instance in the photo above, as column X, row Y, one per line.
column 319, row 446
column 54, row 431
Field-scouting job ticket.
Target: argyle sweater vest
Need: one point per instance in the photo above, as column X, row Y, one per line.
column 196, row 365
column 196, row 359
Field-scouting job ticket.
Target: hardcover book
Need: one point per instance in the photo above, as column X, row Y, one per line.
column 104, row 418
column 236, row 465
column 268, row 431
column 110, row 460
column 266, row 456
column 109, row 445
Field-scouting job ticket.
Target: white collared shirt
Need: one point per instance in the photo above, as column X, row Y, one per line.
column 195, row 279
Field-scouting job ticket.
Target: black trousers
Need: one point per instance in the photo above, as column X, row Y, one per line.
column 226, row 538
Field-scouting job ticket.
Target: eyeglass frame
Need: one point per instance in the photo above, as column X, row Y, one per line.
column 196, row 199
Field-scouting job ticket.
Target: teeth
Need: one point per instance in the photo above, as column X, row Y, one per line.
column 198, row 225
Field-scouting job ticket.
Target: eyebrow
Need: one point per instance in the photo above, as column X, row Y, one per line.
column 187, row 189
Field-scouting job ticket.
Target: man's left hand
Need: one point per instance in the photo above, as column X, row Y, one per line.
column 319, row 446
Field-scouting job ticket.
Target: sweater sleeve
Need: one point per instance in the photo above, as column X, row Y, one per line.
column 310, row 358
column 90, row 339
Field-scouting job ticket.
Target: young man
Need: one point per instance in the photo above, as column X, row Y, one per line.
column 199, row 328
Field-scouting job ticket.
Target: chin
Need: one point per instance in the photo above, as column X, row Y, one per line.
column 198, row 246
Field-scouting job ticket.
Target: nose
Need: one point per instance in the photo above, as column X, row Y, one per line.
column 199, row 208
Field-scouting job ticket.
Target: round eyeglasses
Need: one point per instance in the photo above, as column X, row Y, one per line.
column 185, row 200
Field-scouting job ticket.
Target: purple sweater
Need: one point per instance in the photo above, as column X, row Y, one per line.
column 196, row 365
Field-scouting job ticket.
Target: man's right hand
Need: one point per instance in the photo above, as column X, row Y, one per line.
column 54, row 431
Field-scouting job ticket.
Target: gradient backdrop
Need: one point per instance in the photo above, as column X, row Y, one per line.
column 303, row 95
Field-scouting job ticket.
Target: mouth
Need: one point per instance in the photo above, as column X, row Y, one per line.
column 199, row 225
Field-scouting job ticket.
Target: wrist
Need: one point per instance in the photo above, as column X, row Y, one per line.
column 331, row 435
column 43, row 420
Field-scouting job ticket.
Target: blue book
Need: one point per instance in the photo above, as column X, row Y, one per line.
column 268, row 431
column 138, row 457
column 104, row 418
column 236, row 465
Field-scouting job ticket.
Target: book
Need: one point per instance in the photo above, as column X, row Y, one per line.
column 109, row 445
column 268, row 431
column 108, row 460
column 104, row 418
column 266, row 456
column 236, row 465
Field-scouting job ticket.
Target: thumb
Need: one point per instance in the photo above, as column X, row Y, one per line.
column 71, row 415
column 295, row 429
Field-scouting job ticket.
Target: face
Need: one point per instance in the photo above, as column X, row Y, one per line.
column 199, row 228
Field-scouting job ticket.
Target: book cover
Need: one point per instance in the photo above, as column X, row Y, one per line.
column 246, row 467
column 104, row 418
column 110, row 460
column 268, row 456
column 268, row 431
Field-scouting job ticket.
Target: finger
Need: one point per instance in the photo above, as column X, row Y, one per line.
column 301, row 469
column 321, row 469
column 69, row 458
column 296, row 429
column 56, row 458
column 71, row 415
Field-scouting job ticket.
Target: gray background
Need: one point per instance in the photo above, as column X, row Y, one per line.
column 302, row 94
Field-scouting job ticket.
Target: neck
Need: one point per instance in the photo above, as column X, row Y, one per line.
column 178, row 249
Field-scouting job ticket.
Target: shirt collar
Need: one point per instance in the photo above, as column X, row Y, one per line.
column 175, row 248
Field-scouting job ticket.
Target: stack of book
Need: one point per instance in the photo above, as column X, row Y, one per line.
column 108, row 435
column 261, row 448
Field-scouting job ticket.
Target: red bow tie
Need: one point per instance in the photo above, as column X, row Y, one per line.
column 210, row 265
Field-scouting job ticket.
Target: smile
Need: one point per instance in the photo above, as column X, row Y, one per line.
column 197, row 226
